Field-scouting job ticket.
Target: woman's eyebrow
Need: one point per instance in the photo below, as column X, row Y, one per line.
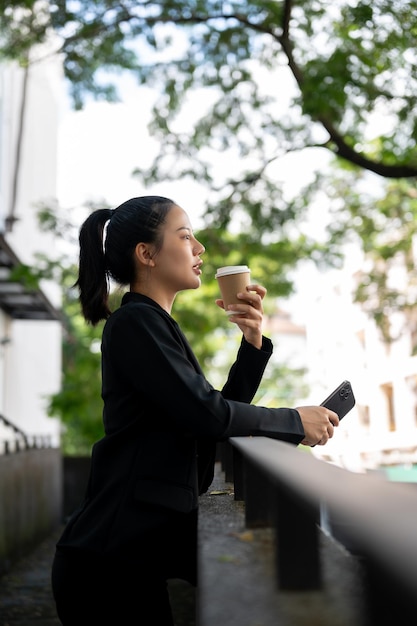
column 184, row 228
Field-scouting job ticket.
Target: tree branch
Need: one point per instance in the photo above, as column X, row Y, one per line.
column 336, row 142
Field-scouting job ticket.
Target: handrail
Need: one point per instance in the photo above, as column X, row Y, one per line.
column 288, row 487
column 36, row 441
column 16, row 429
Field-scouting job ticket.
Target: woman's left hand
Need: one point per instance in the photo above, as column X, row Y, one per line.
column 248, row 313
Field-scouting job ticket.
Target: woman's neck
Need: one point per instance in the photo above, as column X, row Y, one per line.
column 162, row 298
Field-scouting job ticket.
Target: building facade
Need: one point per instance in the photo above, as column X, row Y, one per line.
column 342, row 342
column 30, row 322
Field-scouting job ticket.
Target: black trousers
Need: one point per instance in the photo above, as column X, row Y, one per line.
column 106, row 591
column 128, row 588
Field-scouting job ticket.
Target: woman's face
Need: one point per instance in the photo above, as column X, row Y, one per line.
column 178, row 263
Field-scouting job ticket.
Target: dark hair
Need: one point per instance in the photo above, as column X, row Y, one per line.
column 101, row 258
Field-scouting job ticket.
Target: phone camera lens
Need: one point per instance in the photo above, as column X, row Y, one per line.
column 344, row 393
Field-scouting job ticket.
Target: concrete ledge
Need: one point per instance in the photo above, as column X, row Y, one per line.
column 237, row 580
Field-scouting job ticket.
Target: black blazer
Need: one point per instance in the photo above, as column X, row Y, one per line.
column 162, row 420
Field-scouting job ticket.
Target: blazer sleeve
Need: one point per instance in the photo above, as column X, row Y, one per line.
column 246, row 373
column 147, row 353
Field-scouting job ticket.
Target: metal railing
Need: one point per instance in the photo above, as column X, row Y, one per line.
column 299, row 495
column 21, row 440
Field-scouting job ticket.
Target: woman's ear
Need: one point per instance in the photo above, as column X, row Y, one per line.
column 143, row 253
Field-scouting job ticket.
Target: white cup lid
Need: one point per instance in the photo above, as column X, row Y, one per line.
column 231, row 269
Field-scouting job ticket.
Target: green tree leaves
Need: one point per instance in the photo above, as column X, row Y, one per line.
column 241, row 85
column 350, row 62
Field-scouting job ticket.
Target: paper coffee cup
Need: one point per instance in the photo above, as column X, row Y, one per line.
column 232, row 279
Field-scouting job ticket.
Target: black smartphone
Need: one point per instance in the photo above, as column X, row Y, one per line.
column 341, row 400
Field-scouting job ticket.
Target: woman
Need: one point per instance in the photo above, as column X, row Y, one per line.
column 137, row 525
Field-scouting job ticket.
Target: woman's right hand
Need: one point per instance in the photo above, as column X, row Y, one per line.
column 318, row 423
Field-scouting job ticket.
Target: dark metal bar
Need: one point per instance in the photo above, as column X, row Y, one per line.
column 228, row 462
column 375, row 516
column 259, row 497
column 238, row 471
column 388, row 602
column 297, row 544
column 23, row 441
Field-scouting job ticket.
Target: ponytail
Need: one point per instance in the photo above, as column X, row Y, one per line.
column 112, row 257
column 92, row 280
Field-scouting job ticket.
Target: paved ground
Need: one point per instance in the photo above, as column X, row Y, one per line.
column 26, row 597
column 238, row 579
column 25, row 592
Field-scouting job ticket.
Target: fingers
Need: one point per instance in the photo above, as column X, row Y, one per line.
column 327, row 434
column 247, row 314
column 319, row 424
column 325, row 438
column 321, row 442
column 258, row 289
column 254, row 295
column 250, row 302
column 250, row 299
column 333, row 417
column 249, row 311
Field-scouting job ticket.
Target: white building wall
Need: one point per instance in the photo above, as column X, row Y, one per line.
column 32, row 372
column 37, row 179
column 7, row 132
column 344, row 343
column 289, row 340
column 30, row 363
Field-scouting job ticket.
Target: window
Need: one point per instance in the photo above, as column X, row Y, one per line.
column 389, row 397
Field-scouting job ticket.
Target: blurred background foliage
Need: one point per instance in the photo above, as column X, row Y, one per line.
column 350, row 92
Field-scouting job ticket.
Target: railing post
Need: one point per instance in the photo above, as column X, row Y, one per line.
column 297, row 544
column 259, row 499
column 228, row 462
column 387, row 601
column 238, row 474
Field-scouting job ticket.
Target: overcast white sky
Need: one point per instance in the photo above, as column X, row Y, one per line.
column 100, row 146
